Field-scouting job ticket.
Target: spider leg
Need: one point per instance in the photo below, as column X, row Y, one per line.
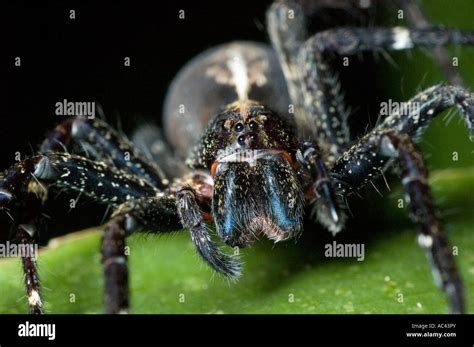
column 416, row 18
column 155, row 215
column 320, row 85
column 362, row 163
column 25, row 185
column 287, row 36
column 192, row 219
column 426, row 105
column 97, row 181
column 24, row 229
column 423, row 213
column 391, row 142
column 104, row 143
column 320, row 189
column 286, row 26
column 367, row 159
column 25, row 238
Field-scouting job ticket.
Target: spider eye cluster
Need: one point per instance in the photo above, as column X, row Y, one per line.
column 239, row 127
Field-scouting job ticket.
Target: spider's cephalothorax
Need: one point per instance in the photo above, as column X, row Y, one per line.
column 254, row 168
column 251, row 154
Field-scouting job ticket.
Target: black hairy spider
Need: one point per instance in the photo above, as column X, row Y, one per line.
column 281, row 145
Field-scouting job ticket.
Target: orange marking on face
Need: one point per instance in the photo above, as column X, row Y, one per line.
column 207, row 217
column 290, row 160
column 214, row 168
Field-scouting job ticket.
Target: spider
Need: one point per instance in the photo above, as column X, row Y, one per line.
column 267, row 140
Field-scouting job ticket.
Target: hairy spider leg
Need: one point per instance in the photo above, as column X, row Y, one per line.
column 321, row 192
column 29, row 181
column 417, row 19
column 165, row 213
column 193, row 220
column 30, row 271
column 103, row 143
column 390, row 146
column 391, row 142
column 359, row 165
column 155, row 215
column 423, row 213
column 313, row 85
column 321, row 85
column 425, row 106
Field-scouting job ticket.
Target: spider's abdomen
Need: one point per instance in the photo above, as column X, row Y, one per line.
column 215, row 78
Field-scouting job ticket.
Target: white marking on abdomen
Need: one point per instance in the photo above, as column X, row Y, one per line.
column 238, row 69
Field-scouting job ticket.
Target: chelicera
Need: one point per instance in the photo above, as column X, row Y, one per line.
column 266, row 138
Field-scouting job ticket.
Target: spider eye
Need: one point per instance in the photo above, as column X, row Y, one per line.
column 239, row 127
column 253, row 125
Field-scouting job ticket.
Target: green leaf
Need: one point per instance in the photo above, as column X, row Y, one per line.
column 282, row 278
